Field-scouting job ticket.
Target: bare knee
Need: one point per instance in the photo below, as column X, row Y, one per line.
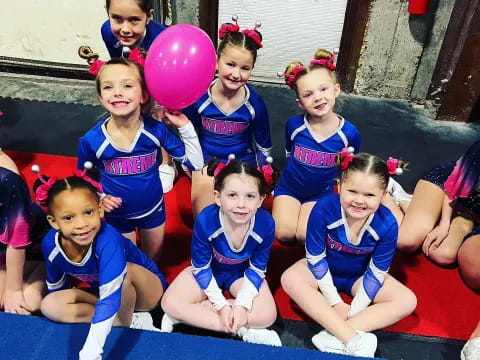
column 444, row 255
column 469, row 267
column 285, row 234
column 51, row 309
column 289, row 281
column 410, row 241
column 171, row 305
column 408, row 303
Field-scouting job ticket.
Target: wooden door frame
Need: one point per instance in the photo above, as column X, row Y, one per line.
column 353, row 33
column 448, row 78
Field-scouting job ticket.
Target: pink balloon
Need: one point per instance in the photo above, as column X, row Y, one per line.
column 180, row 66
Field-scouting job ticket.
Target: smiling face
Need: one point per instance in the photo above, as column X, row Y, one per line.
column 77, row 214
column 234, row 66
column 128, row 21
column 239, row 198
column 317, row 92
column 121, row 90
column 360, row 194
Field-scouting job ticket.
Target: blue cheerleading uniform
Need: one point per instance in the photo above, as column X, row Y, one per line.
column 244, row 131
column 132, row 174
column 311, row 171
column 217, row 264
column 336, row 262
column 114, row 47
column 104, row 268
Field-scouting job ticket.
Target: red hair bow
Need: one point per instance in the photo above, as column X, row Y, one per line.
column 95, row 67
column 41, row 193
column 227, row 28
column 324, row 62
column 290, row 78
column 252, row 34
column 137, row 57
column 82, row 174
column 346, row 158
column 267, row 172
column 393, row 166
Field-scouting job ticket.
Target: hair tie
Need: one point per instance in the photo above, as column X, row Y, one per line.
column 41, row 192
column 253, row 34
column 291, row 77
column 222, row 165
column 232, row 28
column 136, row 56
column 346, row 157
column 325, row 62
column 393, row 166
column 82, row 174
column 267, row 171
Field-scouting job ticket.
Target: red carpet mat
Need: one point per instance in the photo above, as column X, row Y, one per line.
column 446, row 307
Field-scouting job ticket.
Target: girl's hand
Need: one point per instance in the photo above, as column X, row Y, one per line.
column 225, row 317
column 158, row 112
column 342, row 309
column 14, row 302
column 175, row 118
column 238, row 318
column 110, row 203
column 435, row 238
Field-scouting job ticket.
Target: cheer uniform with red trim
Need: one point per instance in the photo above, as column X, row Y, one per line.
column 114, row 47
column 217, row 264
column 311, row 170
column 244, row 131
column 104, row 268
column 132, row 173
column 336, row 262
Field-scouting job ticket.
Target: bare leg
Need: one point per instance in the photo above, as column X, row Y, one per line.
column 69, row 306
column 264, row 311
column 286, row 211
column 305, row 211
column 421, row 216
column 393, row 302
column 183, row 301
column 469, row 264
column 132, row 236
column 446, row 253
column 151, row 241
column 299, row 283
column 202, row 191
column 34, row 288
column 141, row 290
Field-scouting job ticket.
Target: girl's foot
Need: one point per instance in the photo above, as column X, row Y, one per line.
column 143, row 321
column 167, row 323
column 364, row 344
column 260, row 336
column 471, row 349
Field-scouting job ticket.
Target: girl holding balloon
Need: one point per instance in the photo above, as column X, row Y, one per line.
column 230, row 117
column 130, row 25
column 124, row 146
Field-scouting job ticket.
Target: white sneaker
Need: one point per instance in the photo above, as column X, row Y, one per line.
column 260, row 336
column 471, row 350
column 167, row 173
column 143, row 321
column 327, row 342
column 167, row 323
column 397, row 192
column 364, row 344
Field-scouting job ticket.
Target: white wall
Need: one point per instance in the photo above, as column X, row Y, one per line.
column 291, row 29
column 51, row 30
